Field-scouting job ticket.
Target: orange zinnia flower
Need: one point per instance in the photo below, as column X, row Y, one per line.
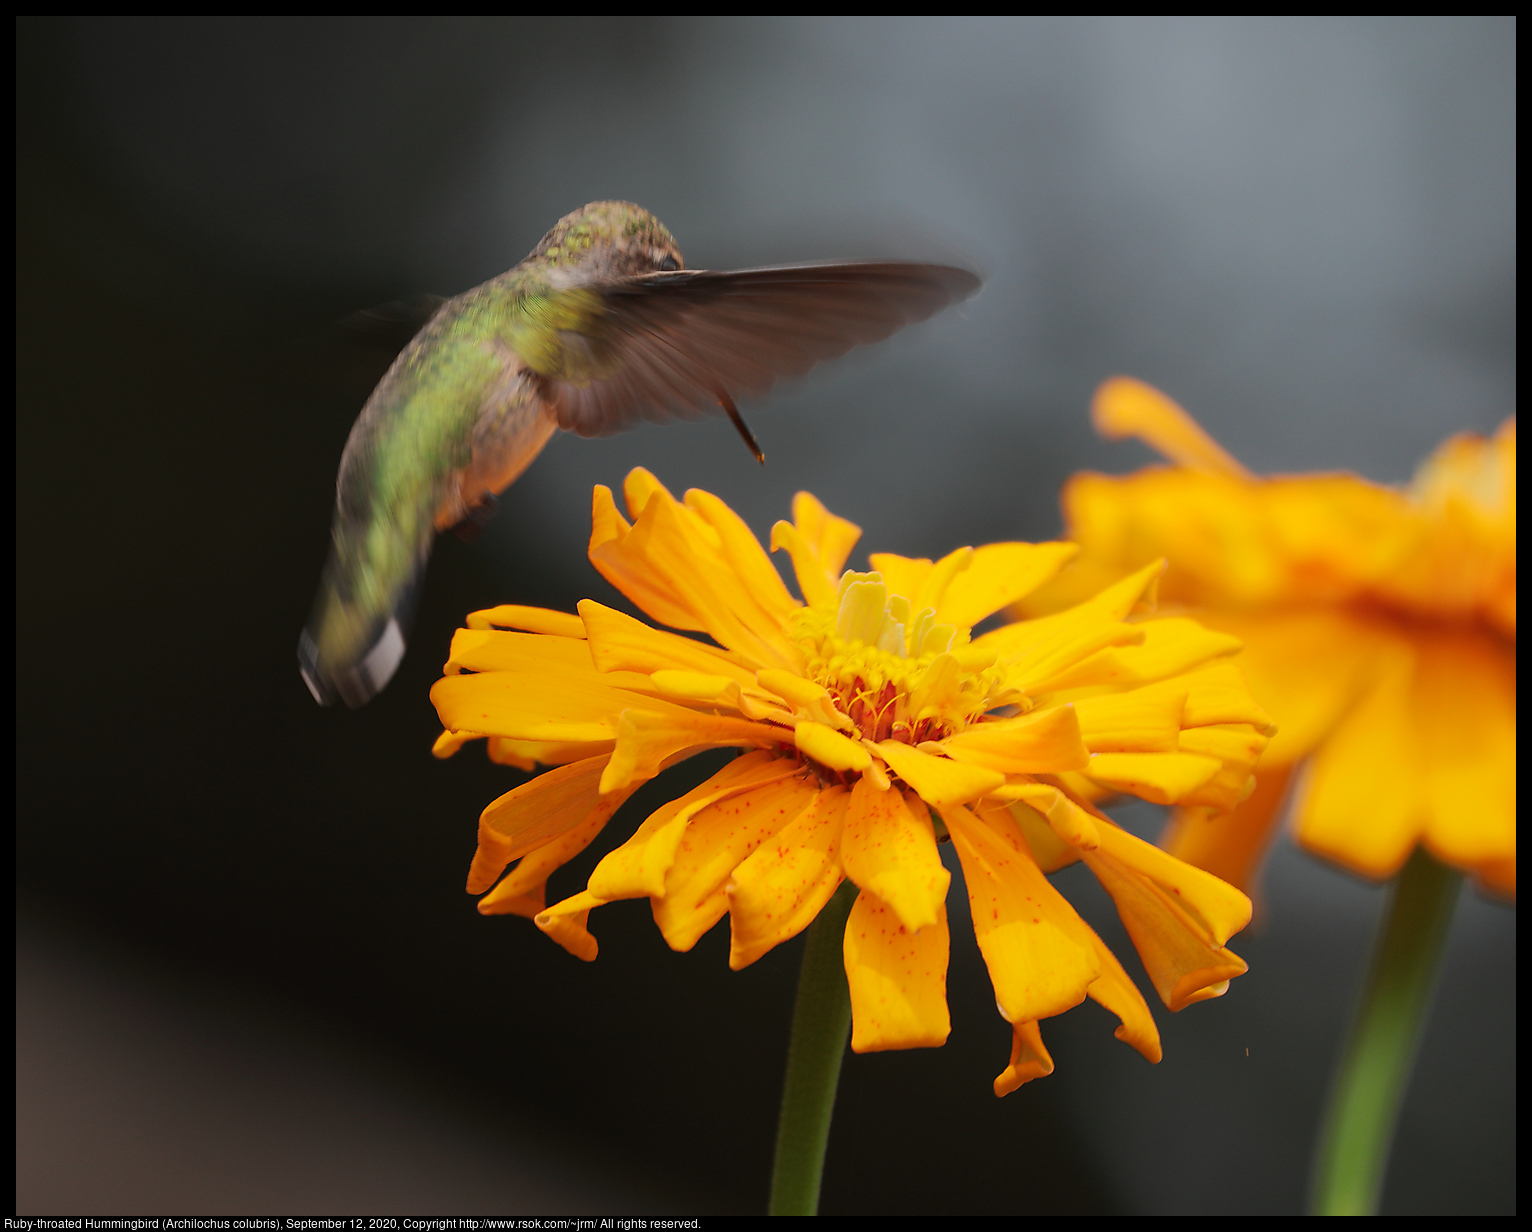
column 875, row 727
column 1379, row 629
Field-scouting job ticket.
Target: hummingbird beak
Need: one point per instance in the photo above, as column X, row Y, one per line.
column 739, row 423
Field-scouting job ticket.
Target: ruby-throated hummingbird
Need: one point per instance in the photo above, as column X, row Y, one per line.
column 601, row 326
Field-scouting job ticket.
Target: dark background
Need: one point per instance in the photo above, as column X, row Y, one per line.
column 248, row 977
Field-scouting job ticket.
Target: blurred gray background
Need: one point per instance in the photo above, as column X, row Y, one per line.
column 248, row 979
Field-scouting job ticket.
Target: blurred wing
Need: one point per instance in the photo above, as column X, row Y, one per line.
column 387, row 329
column 674, row 344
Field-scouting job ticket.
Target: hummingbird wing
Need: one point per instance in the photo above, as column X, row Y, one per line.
column 678, row 344
column 400, row 319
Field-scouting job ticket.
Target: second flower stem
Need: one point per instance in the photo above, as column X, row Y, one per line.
column 821, row 1023
column 1364, row 1103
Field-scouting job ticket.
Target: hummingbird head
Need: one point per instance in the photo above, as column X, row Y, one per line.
column 609, row 239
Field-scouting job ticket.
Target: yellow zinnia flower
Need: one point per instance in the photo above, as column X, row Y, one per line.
column 875, row 728
column 1379, row 629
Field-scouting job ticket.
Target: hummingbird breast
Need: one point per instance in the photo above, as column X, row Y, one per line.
column 514, row 422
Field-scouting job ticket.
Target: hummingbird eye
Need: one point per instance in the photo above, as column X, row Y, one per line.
column 668, row 263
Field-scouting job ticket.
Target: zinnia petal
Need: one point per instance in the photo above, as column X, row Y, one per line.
column 1039, row 956
column 1177, row 916
column 776, row 892
column 1000, row 574
column 1230, row 844
column 1069, row 822
column 938, row 781
column 1236, row 746
column 1360, row 803
column 1042, row 664
column 617, row 642
column 1169, row 647
column 1125, row 407
column 745, row 556
column 1115, row 992
column 647, row 739
column 524, row 890
column 903, row 575
column 536, row 706
column 627, row 569
column 529, row 754
column 718, row 837
column 936, row 583
column 1029, row 641
column 566, row 921
column 1043, row 742
column 1219, row 909
column 830, row 537
column 530, row 619
column 1183, row 966
column 1219, row 693
column 897, row 977
column 890, row 849
column 1465, row 703
column 829, row 748
column 638, row 868
column 533, row 814
column 1049, row 851
column 1306, row 667
column 1163, row 778
column 1139, row 721
column 1029, row 1059
column 814, row 579
column 640, row 486
column 666, row 537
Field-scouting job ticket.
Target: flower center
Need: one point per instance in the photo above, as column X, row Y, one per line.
column 896, row 674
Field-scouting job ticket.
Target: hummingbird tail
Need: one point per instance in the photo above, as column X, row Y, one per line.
column 348, row 654
column 359, row 683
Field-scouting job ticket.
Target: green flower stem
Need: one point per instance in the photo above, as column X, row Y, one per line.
column 821, row 1024
column 1375, row 1070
